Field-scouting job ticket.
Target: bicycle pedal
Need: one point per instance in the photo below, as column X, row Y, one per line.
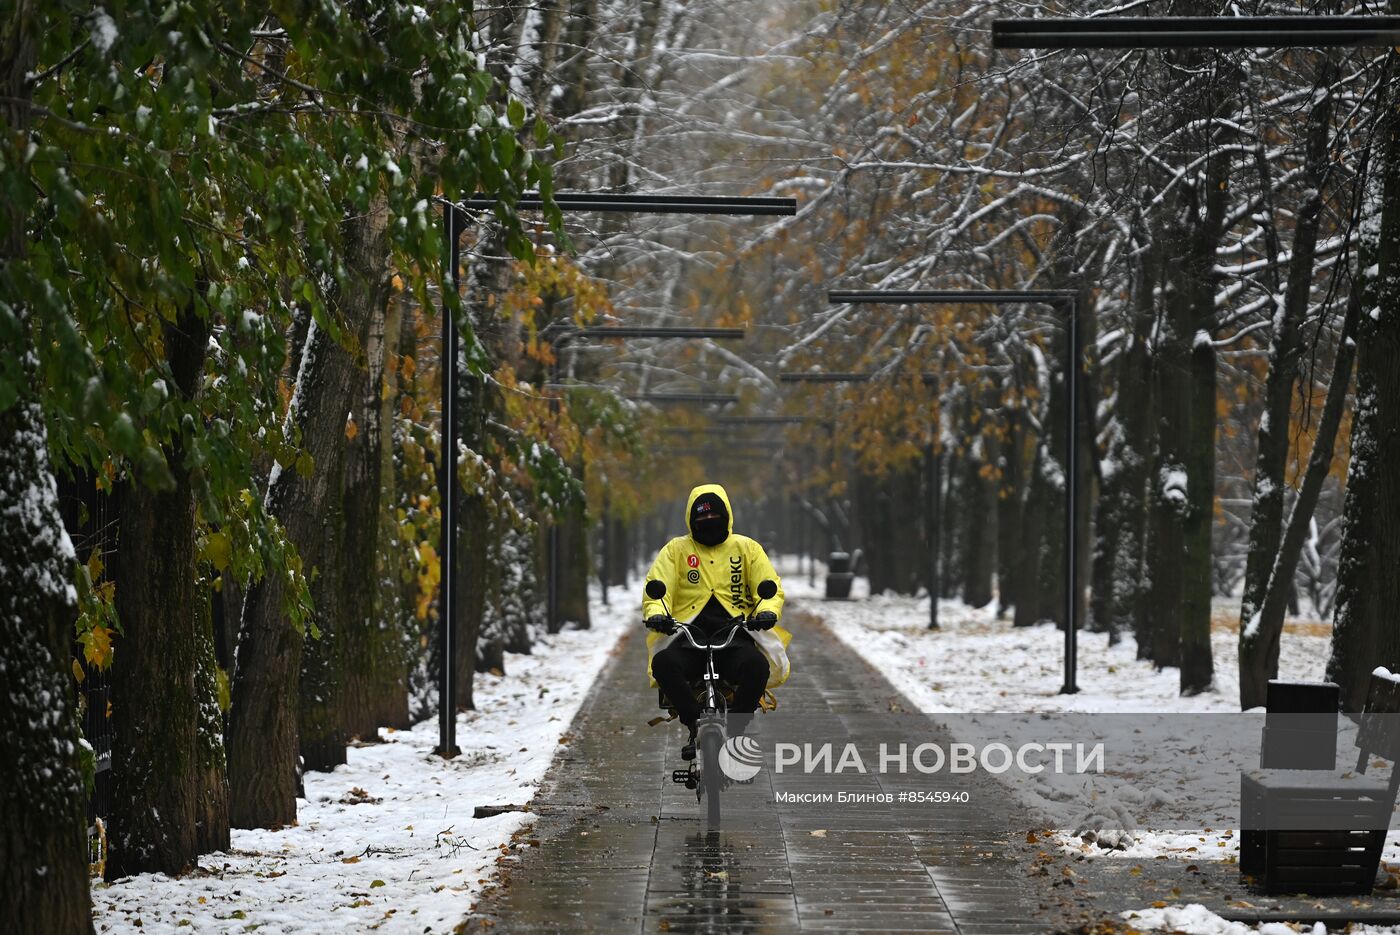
column 682, row 777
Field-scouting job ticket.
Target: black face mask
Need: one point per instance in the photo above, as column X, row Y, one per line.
column 709, row 526
column 712, row 532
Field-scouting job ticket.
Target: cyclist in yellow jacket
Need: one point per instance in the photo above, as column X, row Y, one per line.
column 711, row 577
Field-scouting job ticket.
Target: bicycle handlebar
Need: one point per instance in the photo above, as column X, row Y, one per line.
column 684, row 628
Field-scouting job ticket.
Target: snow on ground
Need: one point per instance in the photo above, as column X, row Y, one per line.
column 1199, row 920
column 388, row 842
column 1196, row 919
column 976, row 663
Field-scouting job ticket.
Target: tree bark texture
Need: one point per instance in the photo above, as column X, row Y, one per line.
column 43, row 838
column 979, row 523
column 158, row 766
column 574, row 566
column 888, row 507
column 1285, row 366
column 1121, row 515
column 1365, row 634
column 1008, row 518
column 43, row 841
column 1260, row 663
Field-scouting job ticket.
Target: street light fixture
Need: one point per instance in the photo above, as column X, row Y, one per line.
column 453, row 222
column 1181, row 32
column 645, row 204
column 685, row 397
column 766, row 420
column 1068, row 301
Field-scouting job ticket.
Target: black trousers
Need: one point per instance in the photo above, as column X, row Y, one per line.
column 742, row 664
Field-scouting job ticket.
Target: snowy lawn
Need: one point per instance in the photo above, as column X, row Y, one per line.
column 388, row 841
column 976, row 663
column 1198, row 920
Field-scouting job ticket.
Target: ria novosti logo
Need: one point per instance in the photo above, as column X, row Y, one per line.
column 741, row 758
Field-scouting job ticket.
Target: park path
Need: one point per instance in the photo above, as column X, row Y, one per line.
column 619, row 847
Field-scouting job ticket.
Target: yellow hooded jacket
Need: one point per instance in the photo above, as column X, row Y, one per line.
column 730, row 572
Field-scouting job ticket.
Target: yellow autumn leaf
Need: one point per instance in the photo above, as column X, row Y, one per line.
column 217, row 550
column 97, row 646
column 78, row 672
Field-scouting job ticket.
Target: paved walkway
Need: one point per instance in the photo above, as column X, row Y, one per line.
column 622, row 848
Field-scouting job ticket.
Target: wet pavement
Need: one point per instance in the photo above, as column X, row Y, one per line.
column 618, row 847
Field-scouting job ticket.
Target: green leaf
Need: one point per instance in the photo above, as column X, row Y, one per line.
column 515, row 113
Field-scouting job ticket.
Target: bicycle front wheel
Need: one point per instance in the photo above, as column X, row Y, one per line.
column 711, row 742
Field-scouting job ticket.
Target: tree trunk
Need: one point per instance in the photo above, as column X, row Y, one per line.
column 1260, row 663
column 473, row 571
column 952, row 559
column 1029, row 597
column 262, row 741
column 1368, row 590
column 888, row 507
column 574, row 567
column 979, row 536
column 321, row 735
column 1048, row 487
column 1285, row 363
column 1197, row 665
column 211, row 793
column 1167, row 504
column 370, row 638
column 263, row 731
column 1122, row 513
column 620, row 557
column 1009, row 498
column 43, row 844
column 157, row 765
column 43, row 839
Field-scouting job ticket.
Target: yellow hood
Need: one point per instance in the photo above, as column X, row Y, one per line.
column 718, row 491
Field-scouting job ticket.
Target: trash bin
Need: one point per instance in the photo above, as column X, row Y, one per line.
column 1300, row 726
column 839, row 562
column 838, row 585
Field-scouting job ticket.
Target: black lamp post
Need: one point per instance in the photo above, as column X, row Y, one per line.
column 718, row 398
column 1066, row 300
column 1180, row 32
column 452, row 224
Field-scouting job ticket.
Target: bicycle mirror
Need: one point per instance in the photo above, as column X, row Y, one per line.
column 766, row 589
column 656, row 590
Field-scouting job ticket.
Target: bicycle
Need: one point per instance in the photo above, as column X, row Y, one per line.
column 704, row 774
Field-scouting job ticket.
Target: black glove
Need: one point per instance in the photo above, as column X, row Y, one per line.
column 763, row 621
column 661, row 623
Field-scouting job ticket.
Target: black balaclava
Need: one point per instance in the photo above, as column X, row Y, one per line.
column 709, row 521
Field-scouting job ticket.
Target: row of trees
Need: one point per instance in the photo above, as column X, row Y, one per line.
column 217, row 325
column 1221, row 214
column 218, row 382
